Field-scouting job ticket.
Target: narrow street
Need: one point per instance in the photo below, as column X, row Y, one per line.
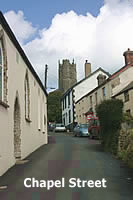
column 69, row 157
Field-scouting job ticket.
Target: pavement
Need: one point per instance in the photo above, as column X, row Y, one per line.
column 69, row 157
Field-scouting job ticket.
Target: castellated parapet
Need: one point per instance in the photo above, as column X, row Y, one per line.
column 67, row 75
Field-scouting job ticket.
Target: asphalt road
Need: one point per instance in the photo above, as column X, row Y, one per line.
column 69, row 157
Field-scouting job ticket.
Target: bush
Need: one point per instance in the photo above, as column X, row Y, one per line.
column 110, row 116
column 126, row 150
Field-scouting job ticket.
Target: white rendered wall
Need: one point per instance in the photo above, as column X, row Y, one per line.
column 31, row 137
column 87, row 85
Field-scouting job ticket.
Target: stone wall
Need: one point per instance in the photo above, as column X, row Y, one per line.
column 125, row 144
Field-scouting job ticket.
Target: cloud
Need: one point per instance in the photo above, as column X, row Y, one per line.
column 102, row 40
column 19, row 25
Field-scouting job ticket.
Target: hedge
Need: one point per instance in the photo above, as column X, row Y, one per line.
column 110, row 113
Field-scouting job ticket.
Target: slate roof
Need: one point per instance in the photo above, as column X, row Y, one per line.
column 12, row 37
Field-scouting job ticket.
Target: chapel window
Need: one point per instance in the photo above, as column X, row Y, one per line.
column 27, row 98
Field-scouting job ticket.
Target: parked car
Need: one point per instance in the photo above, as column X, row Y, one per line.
column 81, row 130
column 59, row 128
column 51, row 127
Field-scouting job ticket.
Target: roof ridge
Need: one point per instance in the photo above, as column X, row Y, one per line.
column 12, row 37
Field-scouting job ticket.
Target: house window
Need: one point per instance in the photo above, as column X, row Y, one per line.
column 128, row 111
column 27, row 98
column 104, row 92
column 69, row 116
column 65, row 101
column 91, row 101
column 1, row 73
column 96, row 97
column 126, row 96
column 69, row 99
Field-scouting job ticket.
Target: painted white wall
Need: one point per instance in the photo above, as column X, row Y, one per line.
column 87, row 85
column 31, row 137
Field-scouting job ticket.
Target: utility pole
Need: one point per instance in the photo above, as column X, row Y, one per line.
column 46, row 72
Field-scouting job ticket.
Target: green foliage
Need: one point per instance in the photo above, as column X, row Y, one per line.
column 110, row 115
column 127, row 117
column 54, row 106
column 126, row 150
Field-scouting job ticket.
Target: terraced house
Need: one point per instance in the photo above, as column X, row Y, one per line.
column 118, row 85
column 23, row 102
column 77, row 91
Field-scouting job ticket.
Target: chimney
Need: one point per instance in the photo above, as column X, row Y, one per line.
column 128, row 57
column 87, row 68
column 101, row 78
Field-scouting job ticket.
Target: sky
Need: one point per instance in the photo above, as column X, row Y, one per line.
column 98, row 31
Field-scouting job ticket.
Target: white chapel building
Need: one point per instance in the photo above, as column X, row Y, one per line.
column 23, row 102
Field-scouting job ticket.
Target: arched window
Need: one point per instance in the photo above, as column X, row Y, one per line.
column 3, row 68
column 27, row 98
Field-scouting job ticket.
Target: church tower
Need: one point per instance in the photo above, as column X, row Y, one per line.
column 67, row 75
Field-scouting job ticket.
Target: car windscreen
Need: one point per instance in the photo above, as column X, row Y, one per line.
column 59, row 125
column 84, row 125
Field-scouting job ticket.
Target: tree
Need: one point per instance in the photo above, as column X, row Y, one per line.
column 54, row 106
